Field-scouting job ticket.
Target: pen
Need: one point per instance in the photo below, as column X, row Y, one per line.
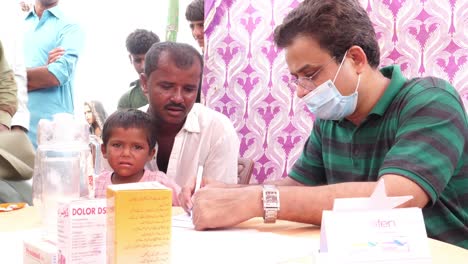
column 199, row 178
column 198, row 181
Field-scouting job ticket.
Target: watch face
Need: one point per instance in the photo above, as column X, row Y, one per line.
column 270, row 199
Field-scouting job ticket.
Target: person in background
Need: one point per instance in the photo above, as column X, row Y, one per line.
column 16, row 167
column 12, row 38
column 371, row 124
column 16, row 152
column 22, row 117
column 128, row 143
column 52, row 46
column 138, row 43
column 8, row 90
column 95, row 115
column 195, row 15
column 188, row 134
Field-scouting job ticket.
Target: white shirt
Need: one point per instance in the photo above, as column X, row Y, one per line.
column 11, row 34
column 207, row 138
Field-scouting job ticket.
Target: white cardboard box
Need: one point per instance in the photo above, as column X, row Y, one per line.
column 139, row 223
column 372, row 230
column 82, row 231
column 39, row 251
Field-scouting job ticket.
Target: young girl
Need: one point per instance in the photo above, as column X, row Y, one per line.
column 128, row 143
column 95, row 115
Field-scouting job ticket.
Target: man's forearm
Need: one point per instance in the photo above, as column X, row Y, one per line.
column 40, row 78
column 305, row 204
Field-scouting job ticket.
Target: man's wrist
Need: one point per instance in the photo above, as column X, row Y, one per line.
column 255, row 200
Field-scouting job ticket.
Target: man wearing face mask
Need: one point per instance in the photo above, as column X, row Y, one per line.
column 371, row 124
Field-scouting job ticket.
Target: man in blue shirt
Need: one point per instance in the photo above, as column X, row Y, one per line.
column 52, row 47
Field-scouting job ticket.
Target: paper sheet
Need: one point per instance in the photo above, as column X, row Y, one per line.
column 183, row 221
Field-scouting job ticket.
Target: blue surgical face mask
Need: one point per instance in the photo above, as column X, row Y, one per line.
column 327, row 103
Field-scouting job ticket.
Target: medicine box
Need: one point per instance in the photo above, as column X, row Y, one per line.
column 139, row 223
column 39, row 251
column 81, row 228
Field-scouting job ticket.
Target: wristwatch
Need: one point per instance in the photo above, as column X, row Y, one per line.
column 271, row 203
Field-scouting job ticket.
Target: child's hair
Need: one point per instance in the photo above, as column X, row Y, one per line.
column 130, row 118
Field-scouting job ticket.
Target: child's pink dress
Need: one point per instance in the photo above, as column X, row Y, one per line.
column 104, row 179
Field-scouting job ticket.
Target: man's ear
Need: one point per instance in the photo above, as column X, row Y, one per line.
column 130, row 58
column 358, row 57
column 104, row 151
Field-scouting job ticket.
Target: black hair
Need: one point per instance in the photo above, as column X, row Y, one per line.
column 335, row 24
column 99, row 114
column 140, row 41
column 130, row 118
column 195, row 11
column 183, row 55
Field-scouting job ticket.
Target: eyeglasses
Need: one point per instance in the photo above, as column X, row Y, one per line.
column 307, row 82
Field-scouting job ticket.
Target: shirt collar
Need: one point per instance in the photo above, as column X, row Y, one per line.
column 31, row 13
column 55, row 11
column 397, row 80
column 192, row 123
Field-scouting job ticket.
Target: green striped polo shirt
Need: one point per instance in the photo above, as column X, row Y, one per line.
column 418, row 129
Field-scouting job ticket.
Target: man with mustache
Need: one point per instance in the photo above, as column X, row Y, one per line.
column 188, row 134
